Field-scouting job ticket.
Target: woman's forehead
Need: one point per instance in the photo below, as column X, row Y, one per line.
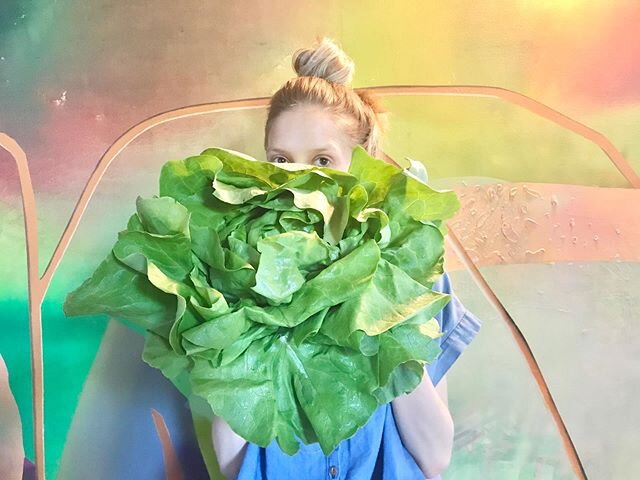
column 309, row 127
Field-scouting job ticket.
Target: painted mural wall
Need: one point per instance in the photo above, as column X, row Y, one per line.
column 549, row 216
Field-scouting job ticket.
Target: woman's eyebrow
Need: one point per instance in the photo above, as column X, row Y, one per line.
column 328, row 148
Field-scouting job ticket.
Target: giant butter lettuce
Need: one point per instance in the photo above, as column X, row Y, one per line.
column 294, row 300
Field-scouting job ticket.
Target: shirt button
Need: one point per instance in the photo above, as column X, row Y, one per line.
column 333, row 471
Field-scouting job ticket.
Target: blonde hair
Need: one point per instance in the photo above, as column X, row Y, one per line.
column 324, row 75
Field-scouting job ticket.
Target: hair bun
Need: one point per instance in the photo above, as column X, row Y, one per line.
column 327, row 61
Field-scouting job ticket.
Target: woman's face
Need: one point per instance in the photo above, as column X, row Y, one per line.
column 311, row 135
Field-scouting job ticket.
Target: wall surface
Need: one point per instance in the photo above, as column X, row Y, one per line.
column 560, row 253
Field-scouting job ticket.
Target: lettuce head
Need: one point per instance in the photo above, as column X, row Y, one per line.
column 294, row 299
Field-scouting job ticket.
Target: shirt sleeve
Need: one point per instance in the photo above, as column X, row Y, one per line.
column 459, row 327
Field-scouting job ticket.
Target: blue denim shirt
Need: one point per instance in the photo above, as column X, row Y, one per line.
column 375, row 451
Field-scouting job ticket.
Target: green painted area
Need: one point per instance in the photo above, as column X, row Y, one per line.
column 69, row 348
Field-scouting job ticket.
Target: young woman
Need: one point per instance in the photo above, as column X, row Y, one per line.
column 317, row 119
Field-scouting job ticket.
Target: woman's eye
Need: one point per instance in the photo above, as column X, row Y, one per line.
column 279, row 160
column 323, row 161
